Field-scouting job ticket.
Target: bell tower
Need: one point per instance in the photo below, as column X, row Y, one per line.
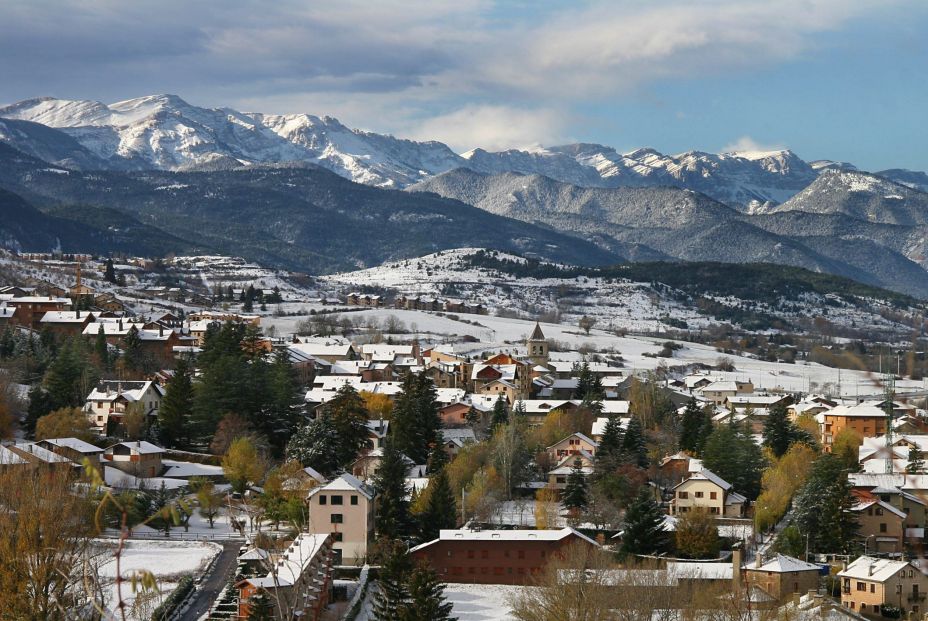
column 537, row 347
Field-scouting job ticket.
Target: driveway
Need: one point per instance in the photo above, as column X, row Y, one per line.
column 216, row 581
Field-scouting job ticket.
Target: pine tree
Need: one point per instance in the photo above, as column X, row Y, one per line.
column 438, row 459
column 260, row 607
column 109, row 271
column 575, row 493
column 822, row 507
column 392, row 593
column 40, row 404
column 348, row 415
column 102, row 350
column 584, row 382
column 415, row 419
column 633, row 444
column 778, row 430
column 282, row 406
column 644, row 525
column 393, row 518
column 315, row 444
column 426, row 596
column 916, row 461
column 610, row 445
column 7, row 343
column 440, row 510
column 500, row 413
column 732, row 454
column 691, row 426
column 473, row 416
column 174, row 413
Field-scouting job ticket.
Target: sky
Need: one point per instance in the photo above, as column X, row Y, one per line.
column 830, row 79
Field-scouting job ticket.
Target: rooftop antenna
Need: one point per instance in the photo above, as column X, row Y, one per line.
column 889, row 393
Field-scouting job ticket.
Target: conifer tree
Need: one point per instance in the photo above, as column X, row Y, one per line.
column 610, row 445
column 500, row 413
column 415, row 417
column 691, row 427
column 575, row 493
column 392, row 593
column 822, row 507
column 281, row 411
column 732, row 454
column 102, row 350
column 779, row 431
column 260, row 607
column 916, row 461
column 644, row 525
column 174, row 413
column 473, row 416
column 7, row 343
column 393, row 518
column 440, row 510
column 348, row 415
column 426, row 596
column 633, row 444
column 315, row 444
column 109, row 271
column 438, row 458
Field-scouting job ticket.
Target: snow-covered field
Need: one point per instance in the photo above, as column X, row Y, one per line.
column 167, row 560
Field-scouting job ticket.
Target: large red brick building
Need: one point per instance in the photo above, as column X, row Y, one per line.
column 495, row 556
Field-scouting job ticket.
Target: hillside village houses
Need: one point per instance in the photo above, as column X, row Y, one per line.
column 529, row 378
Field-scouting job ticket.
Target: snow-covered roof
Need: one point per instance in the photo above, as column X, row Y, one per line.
column 599, row 425
column 66, row 317
column 582, row 436
column 708, row 475
column 785, row 564
column 504, row 535
column 9, row 458
column 187, row 469
column 131, row 391
column 75, row 444
column 874, row 569
column 345, row 483
column 293, row 562
column 138, row 446
column 699, row 571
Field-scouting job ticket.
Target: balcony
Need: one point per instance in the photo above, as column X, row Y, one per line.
column 915, row 597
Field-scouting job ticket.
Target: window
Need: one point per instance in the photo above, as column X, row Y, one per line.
column 879, row 510
column 338, row 536
column 873, row 588
column 861, row 586
column 698, row 494
column 713, row 495
column 322, row 499
column 354, row 500
column 883, row 527
column 683, row 495
column 898, row 588
column 337, row 518
column 336, row 499
column 484, row 554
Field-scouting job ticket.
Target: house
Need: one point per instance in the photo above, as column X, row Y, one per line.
column 109, row 399
column 345, row 508
column 718, row 392
column 73, row 449
column 676, row 468
column 367, row 465
column 377, row 432
column 456, row 439
column 495, row 556
column 913, row 505
column 329, row 349
column 298, row 582
column 537, row 410
column 37, row 456
column 868, row 419
column 870, row 584
column 706, row 490
column 782, row 576
column 882, row 526
column 573, row 444
column 499, row 388
column 31, row 309
column 66, row 323
column 557, row 476
column 139, row 458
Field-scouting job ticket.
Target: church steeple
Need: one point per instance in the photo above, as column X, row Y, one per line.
column 537, row 346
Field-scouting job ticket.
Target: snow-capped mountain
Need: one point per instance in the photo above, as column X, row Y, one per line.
column 165, row 132
column 743, row 179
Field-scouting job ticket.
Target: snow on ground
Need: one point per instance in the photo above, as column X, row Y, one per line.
column 482, row 602
column 167, row 560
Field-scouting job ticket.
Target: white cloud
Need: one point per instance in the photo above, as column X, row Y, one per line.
column 746, row 143
column 493, row 127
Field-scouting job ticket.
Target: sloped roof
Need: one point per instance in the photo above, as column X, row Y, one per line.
column 504, row 535
column 345, row 483
column 874, row 569
column 785, row 564
column 537, row 334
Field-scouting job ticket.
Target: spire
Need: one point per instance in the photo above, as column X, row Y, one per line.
column 537, row 334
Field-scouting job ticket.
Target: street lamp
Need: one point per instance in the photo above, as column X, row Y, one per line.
column 867, row 541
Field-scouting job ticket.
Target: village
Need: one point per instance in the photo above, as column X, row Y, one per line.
column 319, row 465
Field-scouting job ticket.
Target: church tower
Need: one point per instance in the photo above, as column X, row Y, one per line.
column 537, row 346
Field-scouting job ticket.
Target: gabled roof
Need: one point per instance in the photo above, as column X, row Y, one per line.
column 75, row 444
column 577, row 434
column 504, row 535
column 345, row 483
column 141, row 447
column 707, row 475
column 874, row 569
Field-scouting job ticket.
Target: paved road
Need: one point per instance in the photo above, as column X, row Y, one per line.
column 215, row 582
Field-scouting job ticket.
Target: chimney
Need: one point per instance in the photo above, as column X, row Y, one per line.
column 870, row 569
column 120, row 324
column 736, row 556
